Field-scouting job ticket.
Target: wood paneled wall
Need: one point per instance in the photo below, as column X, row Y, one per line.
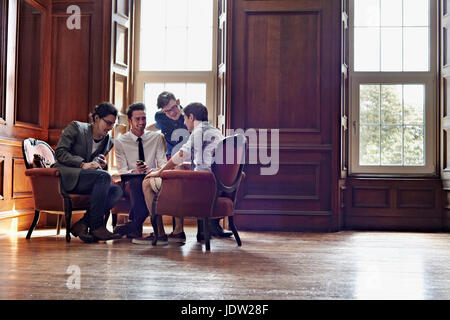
column 393, row 204
column 74, row 76
column 285, row 74
column 79, row 74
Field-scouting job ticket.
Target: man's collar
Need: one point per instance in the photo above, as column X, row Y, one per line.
column 135, row 137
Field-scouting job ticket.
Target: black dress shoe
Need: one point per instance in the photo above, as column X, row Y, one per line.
column 129, row 230
column 103, row 234
column 124, row 229
column 217, row 231
column 80, row 230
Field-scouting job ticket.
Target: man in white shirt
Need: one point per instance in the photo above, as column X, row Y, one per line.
column 138, row 151
column 198, row 150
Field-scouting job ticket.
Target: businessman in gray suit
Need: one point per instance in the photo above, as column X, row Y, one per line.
column 80, row 159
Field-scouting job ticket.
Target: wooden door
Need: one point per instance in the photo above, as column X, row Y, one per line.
column 286, row 75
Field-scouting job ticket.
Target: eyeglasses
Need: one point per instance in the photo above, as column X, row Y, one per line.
column 108, row 123
column 173, row 108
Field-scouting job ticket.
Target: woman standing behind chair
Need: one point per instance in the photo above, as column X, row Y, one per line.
column 80, row 158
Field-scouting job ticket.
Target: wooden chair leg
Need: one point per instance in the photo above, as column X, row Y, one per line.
column 37, row 213
column 206, row 234
column 58, row 224
column 235, row 232
column 154, row 221
column 68, row 216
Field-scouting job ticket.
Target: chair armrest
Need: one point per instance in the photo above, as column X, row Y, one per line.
column 186, row 193
column 52, row 172
column 45, row 183
column 188, row 174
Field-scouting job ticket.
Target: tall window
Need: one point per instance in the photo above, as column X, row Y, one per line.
column 176, row 51
column 392, row 86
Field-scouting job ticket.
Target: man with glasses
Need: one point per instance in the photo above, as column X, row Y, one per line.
column 168, row 120
column 80, row 155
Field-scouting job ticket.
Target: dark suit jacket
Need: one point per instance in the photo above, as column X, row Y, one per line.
column 73, row 148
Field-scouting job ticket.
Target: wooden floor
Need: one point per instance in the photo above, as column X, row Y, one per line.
column 269, row 265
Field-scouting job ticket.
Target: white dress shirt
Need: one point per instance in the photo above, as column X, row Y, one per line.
column 127, row 151
column 203, row 141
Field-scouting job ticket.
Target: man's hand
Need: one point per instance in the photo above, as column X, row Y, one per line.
column 102, row 161
column 140, row 168
column 153, row 173
column 91, row 166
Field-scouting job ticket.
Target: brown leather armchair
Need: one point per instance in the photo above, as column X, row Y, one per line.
column 45, row 183
column 204, row 195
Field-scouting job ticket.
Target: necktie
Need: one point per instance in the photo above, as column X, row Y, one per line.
column 141, row 149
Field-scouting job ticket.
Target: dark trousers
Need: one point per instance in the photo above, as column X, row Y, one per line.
column 104, row 195
column 139, row 211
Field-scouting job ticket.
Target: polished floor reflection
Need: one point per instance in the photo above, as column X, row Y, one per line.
column 269, row 265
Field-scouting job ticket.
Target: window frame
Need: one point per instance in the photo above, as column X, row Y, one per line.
column 428, row 78
column 208, row 77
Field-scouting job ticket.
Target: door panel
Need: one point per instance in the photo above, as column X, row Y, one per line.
column 285, row 74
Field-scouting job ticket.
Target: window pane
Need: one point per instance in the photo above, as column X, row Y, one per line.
column 414, row 145
column 391, row 145
column 391, row 13
column 416, row 13
column 199, row 49
column 176, row 13
column 367, row 49
column 369, row 104
column 367, row 13
column 153, row 13
column 152, row 49
column 415, row 50
column 369, row 150
column 414, row 104
column 196, row 92
column 391, row 49
column 176, row 53
column 391, row 104
column 176, row 35
column 399, row 41
column 200, row 13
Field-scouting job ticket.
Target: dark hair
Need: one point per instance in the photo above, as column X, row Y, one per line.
column 135, row 107
column 164, row 99
column 104, row 109
column 198, row 110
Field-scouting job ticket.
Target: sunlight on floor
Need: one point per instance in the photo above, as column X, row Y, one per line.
column 389, row 272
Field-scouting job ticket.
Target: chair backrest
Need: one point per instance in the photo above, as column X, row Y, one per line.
column 229, row 158
column 32, row 147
